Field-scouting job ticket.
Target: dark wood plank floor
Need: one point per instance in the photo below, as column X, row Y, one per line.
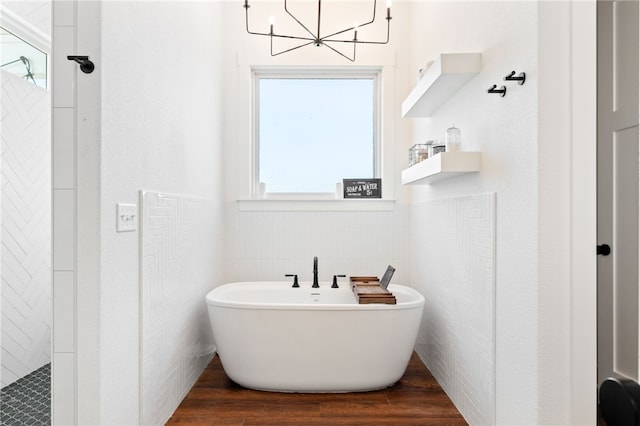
column 416, row 399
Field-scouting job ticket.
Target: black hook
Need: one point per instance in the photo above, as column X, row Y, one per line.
column 86, row 66
column 520, row 78
column 502, row 90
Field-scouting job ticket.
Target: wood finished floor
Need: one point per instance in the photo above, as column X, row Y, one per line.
column 416, row 399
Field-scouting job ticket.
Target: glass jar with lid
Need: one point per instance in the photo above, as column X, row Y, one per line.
column 452, row 139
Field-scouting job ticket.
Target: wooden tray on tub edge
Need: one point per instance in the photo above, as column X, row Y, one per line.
column 367, row 290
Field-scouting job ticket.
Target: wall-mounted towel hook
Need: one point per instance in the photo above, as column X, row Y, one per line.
column 520, row 78
column 502, row 90
column 86, row 66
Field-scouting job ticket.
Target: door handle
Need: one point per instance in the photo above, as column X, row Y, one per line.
column 603, row 249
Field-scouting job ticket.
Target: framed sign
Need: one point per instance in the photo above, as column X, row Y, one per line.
column 362, row 188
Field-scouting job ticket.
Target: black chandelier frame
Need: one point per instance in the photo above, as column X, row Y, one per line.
column 316, row 38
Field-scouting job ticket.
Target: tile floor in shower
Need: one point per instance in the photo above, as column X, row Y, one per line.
column 27, row 401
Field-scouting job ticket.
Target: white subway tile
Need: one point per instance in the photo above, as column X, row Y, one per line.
column 63, row 311
column 64, row 13
column 63, row 229
column 63, row 148
column 62, row 91
column 63, row 389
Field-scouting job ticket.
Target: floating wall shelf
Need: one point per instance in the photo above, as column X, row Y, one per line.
column 445, row 165
column 447, row 74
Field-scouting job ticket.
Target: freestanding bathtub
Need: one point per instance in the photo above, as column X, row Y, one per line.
column 270, row 336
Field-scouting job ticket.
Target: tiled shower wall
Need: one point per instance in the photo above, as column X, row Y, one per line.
column 177, row 238
column 64, row 199
column 26, row 227
column 457, row 279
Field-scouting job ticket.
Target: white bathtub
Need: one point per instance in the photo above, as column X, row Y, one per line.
column 273, row 337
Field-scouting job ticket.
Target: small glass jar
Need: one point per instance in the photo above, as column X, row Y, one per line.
column 417, row 153
column 452, row 139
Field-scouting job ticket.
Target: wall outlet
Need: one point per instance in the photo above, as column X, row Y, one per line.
column 126, row 217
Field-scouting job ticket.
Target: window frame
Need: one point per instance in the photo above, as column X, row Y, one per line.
column 257, row 73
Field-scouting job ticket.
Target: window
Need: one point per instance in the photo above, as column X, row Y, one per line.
column 312, row 129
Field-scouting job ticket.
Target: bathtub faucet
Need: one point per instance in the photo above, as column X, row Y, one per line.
column 315, row 273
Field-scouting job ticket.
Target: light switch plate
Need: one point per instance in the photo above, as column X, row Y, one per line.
column 126, row 217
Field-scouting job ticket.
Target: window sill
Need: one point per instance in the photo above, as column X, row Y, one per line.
column 316, row 205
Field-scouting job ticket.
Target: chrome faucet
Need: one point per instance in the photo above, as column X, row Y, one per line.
column 315, row 273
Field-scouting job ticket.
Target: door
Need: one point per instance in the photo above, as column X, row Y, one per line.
column 618, row 189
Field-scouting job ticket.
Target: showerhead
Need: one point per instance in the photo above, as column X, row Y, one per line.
column 27, row 65
column 86, row 66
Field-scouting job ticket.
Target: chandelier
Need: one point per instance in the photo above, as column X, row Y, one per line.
column 342, row 37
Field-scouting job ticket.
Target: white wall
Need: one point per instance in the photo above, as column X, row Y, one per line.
column 265, row 245
column 159, row 113
column 505, row 131
column 527, row 147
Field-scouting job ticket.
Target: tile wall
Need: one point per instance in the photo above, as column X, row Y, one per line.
column 64, row 208
column 266, row 245
column 177, row 237
column 457, row 278
column 26, row 227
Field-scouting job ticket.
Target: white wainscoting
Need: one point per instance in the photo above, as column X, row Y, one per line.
column 177, row 244
column 453, row 266
column 26, row 227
